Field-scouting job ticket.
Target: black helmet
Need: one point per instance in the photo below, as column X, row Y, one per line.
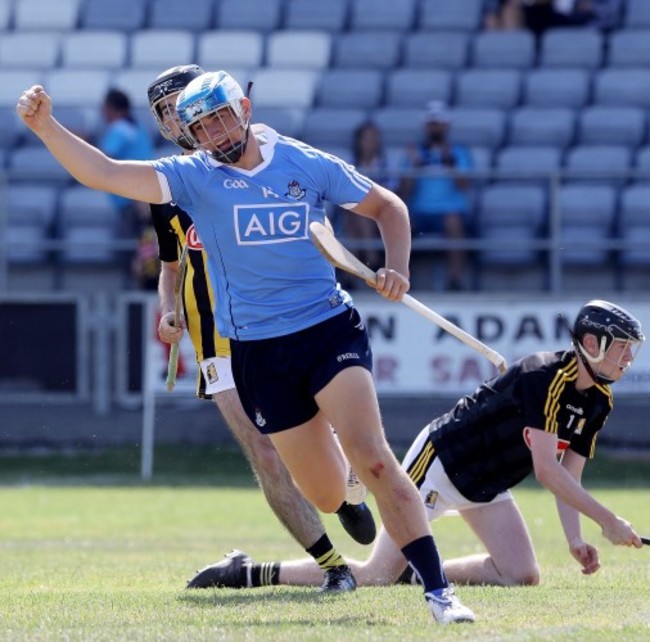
column 165, row 86
column 607, row 322
column 605, row 319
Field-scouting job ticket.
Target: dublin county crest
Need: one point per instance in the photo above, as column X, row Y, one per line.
column 295, row 191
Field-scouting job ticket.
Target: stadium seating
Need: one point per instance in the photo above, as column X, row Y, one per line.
column 478, row 127
column 359, row 50
column 6, row 8
column 538, row 126
column 556, row 88
column 31, row 209
column 504, row 49
column 350, row 88
column 513, row 216
column 588, row 218
column 78, row 87
column 637, row 14
column 634, row 227
column 629, row 49
column 572, row 103
column 45, row 14
column 604, row 164
column 450, row 15
column 286, row 120
column 261, row 15
column 11, row 128
column 122, row 15
column 382, row 14
column 572, row 47
column 224, row 50
column 94, row 49
column 171, row 14
column 623, row 88
column 500, row 88
column 315, row 14
column 400, row 125
column 598, row 125
column 162, row 48
column 284, row 87
column 34, row 163
column 88, row 224
column 447, row 50
column 329, row 126
column 406, row 87
column 299, row 49
column 525, row 165
column 30, row 49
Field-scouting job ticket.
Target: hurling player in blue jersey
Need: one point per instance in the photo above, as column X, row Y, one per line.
column 175, row 228
column 542, row 416
column 301, row 356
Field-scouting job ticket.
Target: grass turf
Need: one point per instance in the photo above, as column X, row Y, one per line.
column 88, row 552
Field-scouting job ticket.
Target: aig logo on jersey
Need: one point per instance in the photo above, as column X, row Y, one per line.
column 271, row 223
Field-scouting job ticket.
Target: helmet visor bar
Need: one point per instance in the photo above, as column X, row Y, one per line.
column 221, row 132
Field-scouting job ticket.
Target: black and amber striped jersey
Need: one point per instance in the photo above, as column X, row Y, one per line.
column 483, row 442
column 174, row 228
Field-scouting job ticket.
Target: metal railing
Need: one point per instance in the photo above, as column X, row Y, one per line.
column 550, row 244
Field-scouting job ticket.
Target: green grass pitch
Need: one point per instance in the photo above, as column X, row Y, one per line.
column 88, row 552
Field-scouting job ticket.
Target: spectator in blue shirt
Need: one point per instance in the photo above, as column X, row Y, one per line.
column 125, row 139
column 437, row 197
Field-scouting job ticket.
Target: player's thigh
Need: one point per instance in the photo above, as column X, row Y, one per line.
column 501, row 528
column 350, row 403
column 314, row 460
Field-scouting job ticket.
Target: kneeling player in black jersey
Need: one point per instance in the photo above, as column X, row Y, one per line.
column 543, row 416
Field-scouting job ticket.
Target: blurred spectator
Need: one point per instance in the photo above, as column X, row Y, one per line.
column 369, row 157
column 539, row 15
column 437, row 199
column 125, row 139
column 503, row 14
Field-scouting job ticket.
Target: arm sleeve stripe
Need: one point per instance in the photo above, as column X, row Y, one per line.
column 556, row 388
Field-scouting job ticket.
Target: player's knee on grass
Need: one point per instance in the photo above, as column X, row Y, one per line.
column 522, row 575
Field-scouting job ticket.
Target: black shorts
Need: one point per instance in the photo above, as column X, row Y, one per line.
column 277, row 379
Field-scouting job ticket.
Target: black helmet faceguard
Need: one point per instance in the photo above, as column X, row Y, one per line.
column 163, row 91
column 608, row 323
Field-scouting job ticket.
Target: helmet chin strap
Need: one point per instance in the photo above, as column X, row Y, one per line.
column 586, row 359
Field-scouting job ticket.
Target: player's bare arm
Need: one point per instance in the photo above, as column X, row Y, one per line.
column 585, row 553
column 553, row 476
column 167, row 331
column 87, row 164
column 391, row 215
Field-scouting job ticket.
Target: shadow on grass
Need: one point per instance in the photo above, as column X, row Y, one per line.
column 207, row 598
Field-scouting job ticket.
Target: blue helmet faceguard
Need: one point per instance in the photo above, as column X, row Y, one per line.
column 162, row 94
column 608, row 323
column 214, row 94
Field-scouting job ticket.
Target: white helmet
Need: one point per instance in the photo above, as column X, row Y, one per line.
column 215, row 93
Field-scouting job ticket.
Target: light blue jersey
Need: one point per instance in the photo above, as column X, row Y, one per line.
column 269, row 278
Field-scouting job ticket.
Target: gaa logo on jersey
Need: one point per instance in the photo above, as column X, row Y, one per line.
column 192, row 238
column 271, row 223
